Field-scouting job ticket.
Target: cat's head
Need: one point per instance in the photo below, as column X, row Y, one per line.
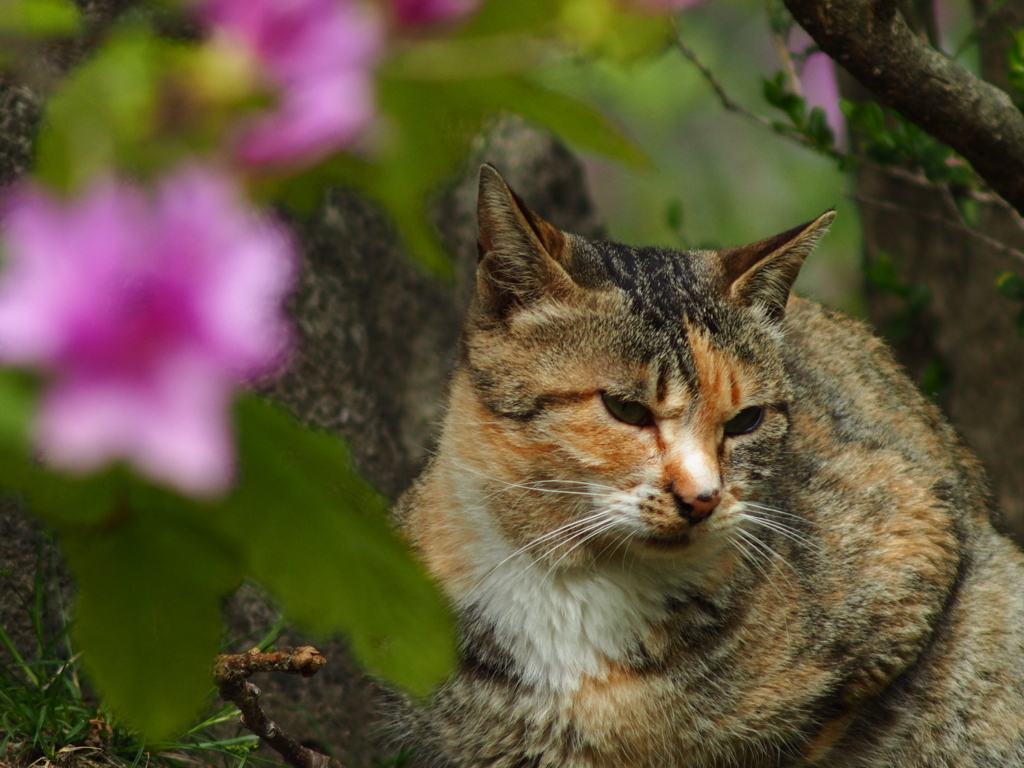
column 610, row 396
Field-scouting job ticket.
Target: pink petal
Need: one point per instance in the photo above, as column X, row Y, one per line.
column 174, row 430
column 320, row 54
column 313, row 119
column 250, row 265
column 821, row 89
column 145, row 313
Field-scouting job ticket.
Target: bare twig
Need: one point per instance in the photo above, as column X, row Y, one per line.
column 717, row 87
column 231, row 672
column 959, row 226
column 787, row 64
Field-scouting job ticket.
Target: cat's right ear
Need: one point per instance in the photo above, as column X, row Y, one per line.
column 763, row 273
column 521, row 255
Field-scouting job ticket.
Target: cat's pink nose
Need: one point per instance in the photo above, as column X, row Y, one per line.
column 696, row 507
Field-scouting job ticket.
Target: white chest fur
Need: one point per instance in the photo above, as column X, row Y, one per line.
column 563, row 625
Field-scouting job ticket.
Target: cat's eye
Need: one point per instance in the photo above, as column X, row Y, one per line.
column 744, row 422
column 628, row 411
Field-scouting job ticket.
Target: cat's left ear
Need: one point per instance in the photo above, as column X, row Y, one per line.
column 764, row 272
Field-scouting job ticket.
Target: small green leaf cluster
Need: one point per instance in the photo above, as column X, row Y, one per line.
column 910, row 320
column 1012, row 287
column 1015, row 64
column 881, row 273
column 813, row 125
column 889, row 138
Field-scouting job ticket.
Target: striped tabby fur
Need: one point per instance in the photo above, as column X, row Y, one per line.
column 690, row 586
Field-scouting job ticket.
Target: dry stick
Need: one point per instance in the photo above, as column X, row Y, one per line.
column 885, row 205
column 230, row 673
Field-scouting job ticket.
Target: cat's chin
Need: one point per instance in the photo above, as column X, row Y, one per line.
column 679, row 541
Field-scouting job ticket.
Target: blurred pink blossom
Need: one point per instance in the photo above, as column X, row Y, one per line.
column 416, row 12
column 320, row 55
column 821, row 89
column 145, row 313
column 819, row 84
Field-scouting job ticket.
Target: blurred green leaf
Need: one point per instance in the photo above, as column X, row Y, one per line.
column 432, row 124
column 509, row 16
column 1020, row 323
column 318, row 537
column 674, row 215
column 105, row 107
column 818, row 129
column 1011, row 286
column 881, row 273
column 775, row 93
column 17, row 402
column 40, row 18
column 936, row 379
column 140, row 104
column 611, row 29
column 1015, row 62
column 779, row 18
column 148, row 617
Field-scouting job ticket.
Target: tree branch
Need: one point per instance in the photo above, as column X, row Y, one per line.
column 873, row 42
column 231, row 672
column 956, row 225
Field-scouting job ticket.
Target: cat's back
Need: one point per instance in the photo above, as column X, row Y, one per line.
column 894, row 484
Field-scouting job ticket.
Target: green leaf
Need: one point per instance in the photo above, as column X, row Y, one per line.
column 99, row 112
column 611, row 29
column 17, row 403
column 140, row 104
column 148, row 617
column 818, row 129
column 935, row 379
column 510, row 16
column 1011, row 286
column 577, row 122
column 773, row 90
column 1015, row 62
column 779, row 18
column 433, row 122
column 775, row 93
column 40, row 18
column 881, row 273
column 674, row 215
column 319, row 539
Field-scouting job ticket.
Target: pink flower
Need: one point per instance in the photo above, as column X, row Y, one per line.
column 819, row 84
column 145, row 313
column 319, row 54
column 417, row 12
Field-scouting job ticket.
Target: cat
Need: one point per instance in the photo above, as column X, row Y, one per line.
column 688, row 519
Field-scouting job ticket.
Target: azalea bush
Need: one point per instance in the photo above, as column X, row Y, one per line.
column 145, row 270
column 141, row 297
